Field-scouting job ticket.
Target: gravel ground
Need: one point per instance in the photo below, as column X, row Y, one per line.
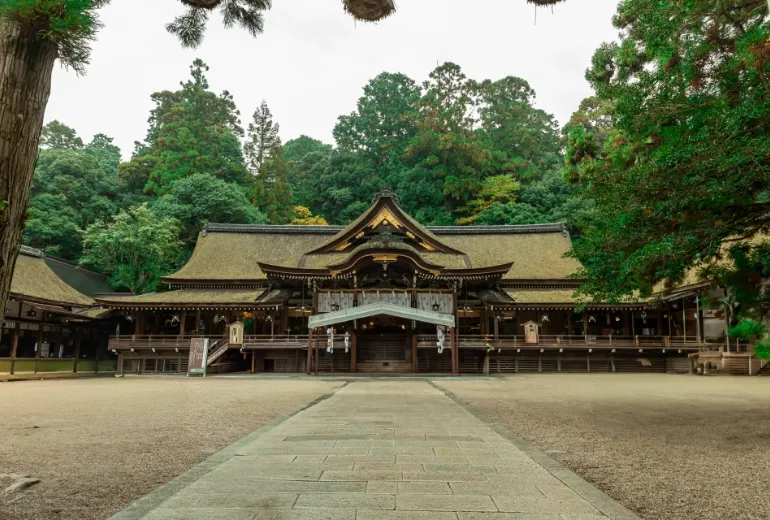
column 99, row 444
column 668, row 447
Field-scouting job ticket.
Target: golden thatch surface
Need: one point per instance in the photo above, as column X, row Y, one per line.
column 445, row 260
column 542, row 295
column 35, row 280
column 234, row 256
column 534, row 255
column 188, row 296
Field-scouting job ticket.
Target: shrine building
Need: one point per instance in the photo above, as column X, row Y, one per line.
column 381, row 294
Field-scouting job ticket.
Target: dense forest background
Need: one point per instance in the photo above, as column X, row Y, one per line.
column 455, row 149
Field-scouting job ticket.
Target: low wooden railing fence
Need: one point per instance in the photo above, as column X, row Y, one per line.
column 300, row 341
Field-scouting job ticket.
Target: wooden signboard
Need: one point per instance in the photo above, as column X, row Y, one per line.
column 531, row 333
column 236, row 334
column 199, row 351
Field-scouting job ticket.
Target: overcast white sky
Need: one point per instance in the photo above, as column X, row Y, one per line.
column 313, row 60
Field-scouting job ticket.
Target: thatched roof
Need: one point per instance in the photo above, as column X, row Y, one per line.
column 537, row 254
column 565, row 296
column 84, row 280
column 230, row 254
column 209, row 298
column 233, row 256
column 33, row 280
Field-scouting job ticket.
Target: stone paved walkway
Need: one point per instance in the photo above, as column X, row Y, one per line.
column 382, row 450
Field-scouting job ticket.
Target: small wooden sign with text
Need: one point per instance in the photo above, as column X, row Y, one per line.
column 199, row 351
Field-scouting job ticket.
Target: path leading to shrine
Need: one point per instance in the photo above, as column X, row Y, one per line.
column 372, row 450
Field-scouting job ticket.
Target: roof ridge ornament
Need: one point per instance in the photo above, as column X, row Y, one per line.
column 386, row 194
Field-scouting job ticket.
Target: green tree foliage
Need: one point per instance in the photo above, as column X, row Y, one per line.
column 304, row 217
column 192, row 130
column 296, row 149
column 272, row 190
column 262, row 138
column 73, row 187
column 135, row 249
column 201, row 198
column 190, row 26
column 451, row 150
column 59, row 136
column 684, row 172
column 382, row 124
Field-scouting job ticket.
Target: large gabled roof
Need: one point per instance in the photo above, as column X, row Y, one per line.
column 34, row 281
column 228, row 254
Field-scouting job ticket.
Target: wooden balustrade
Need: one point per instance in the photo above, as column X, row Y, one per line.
column 300, row 341
column 570, row 342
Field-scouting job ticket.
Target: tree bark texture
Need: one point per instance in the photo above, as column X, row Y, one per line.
column 26, row 66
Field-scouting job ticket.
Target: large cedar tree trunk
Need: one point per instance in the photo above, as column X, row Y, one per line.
column 26, row 65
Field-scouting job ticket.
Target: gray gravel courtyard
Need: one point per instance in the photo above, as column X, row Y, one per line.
column 670, row 447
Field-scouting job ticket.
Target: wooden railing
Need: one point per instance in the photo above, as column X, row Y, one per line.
column 153, row 341
column 289, row 341
column 570, row 342
column 300, row 341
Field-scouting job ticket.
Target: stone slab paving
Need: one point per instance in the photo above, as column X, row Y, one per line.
column 379, row 450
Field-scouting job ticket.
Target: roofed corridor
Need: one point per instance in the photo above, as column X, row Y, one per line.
column 381, row 450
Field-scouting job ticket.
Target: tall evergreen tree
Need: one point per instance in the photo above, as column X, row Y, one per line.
column 262, row 138
column 192, row 130
column 272, row 190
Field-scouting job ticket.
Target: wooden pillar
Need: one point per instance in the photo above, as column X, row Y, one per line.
column 497, row 326
column 415, row 364
column 353, row 352
column 284, row 321
column 455, row 353
column 626, row 328
column 570, row 313
column 98, row 352
column 39, row 339
column 14, row 345
column 486, row 364
column 253, row 361
column 659, row 322
column 78, row 338
column 182, row 321
column 197, row 320
column 317, row 356
column 585, row 323
column 139, row 324
column 156, row 322
column 310, row 352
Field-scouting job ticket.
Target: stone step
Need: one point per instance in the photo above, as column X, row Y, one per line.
column 375, row 367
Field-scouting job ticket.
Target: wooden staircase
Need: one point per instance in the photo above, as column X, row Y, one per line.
column 765, row 371
column 217, row 350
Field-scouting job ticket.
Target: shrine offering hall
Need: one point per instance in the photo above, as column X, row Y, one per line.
column 386, row 294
